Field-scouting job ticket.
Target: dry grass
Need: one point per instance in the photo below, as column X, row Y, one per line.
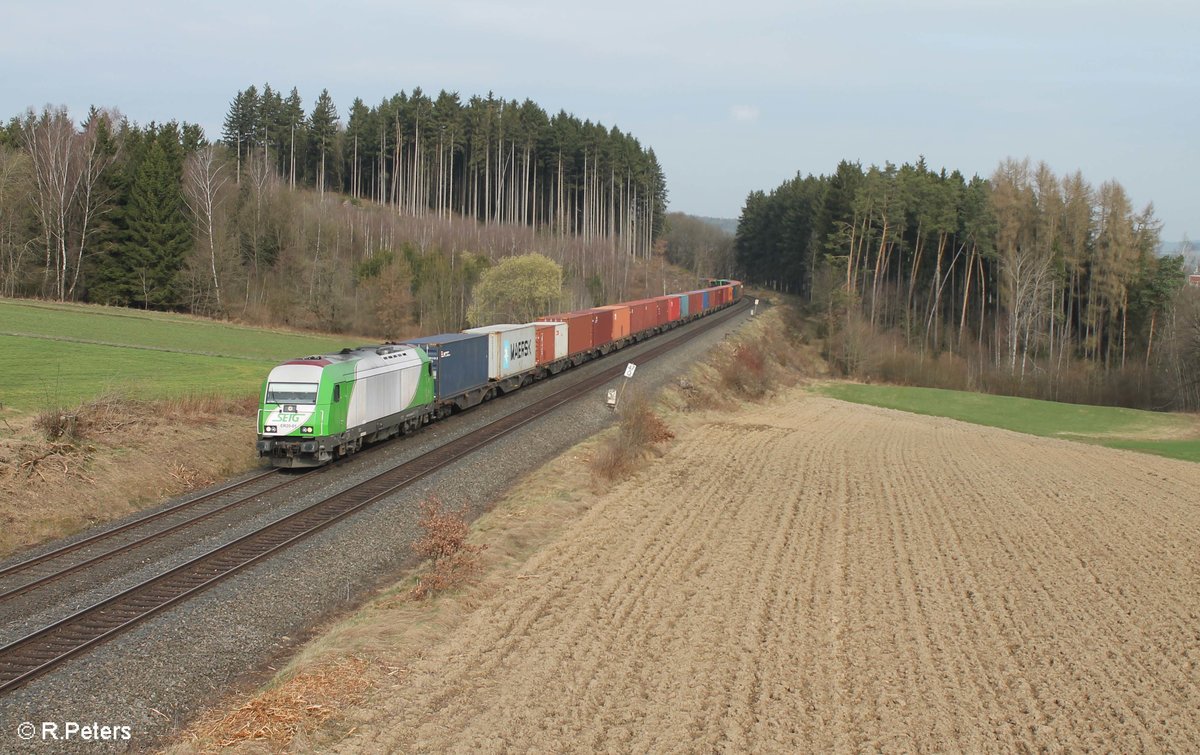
column 295, row 708
column 69, row 468
column 771, row 353
column 639, row 431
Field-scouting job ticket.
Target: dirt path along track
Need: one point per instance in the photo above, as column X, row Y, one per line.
column 820, row 576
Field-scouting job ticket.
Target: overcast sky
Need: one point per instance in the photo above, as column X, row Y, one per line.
column 733, row 96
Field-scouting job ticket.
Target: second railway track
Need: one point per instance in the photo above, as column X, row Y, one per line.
column 34, row 572
column 42, row 650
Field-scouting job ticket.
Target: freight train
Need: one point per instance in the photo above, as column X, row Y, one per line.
column 323, row 407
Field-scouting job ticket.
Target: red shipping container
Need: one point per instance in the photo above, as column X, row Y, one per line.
column 579, row 330
column 695, row 303
column 602, row 327
column 646, row 314
column 641, row 315
column 661, row 310
column 543, row 343
column 621, row 320
column 672, row 308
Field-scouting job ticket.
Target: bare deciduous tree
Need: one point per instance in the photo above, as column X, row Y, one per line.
column 67, row 168
column 203, row 179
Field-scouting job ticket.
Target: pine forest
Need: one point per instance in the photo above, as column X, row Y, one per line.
column 1026, row 283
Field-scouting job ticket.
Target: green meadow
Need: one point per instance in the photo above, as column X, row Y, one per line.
column 62, row 354
column 1173, row 435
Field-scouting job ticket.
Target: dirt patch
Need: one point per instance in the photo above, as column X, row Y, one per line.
column 816, row 576
column 63, row 471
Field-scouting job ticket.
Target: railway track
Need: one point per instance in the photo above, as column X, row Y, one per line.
column 52, row 565
column 42, row 650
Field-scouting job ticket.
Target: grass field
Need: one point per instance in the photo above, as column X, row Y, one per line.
column 61, row 354
column 1173, row 435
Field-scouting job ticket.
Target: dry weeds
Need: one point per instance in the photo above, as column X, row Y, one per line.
column 772, row 353
column 638, row 433
column 66, row 469
column 296, row 707
column 452, row 560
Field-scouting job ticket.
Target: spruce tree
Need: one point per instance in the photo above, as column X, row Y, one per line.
column 323, row 129
column 158, row 234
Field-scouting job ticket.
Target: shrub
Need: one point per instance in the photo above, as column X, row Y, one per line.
column 59, row 425
column 612, row 461
column 640, row 429
column 745, row 373
column 444, row 543
column 640, row 426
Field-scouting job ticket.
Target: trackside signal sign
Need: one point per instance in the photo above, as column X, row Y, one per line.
column 629, row 368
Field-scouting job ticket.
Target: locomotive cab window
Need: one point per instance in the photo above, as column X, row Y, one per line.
column 292, row 393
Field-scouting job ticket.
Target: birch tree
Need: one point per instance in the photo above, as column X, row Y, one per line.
column 68, row 168
column 204, row 177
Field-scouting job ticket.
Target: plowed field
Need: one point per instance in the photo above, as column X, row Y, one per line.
column 822, row 576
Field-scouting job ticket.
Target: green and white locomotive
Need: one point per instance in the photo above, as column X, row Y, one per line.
column 323, row 407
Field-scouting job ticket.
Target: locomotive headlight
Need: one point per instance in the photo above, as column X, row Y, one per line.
column 269, row 428
column 306, row 430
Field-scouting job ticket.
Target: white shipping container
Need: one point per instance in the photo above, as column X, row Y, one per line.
column 510, row 349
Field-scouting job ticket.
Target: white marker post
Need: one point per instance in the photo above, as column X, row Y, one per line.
column 629, row 370
column 754, row 308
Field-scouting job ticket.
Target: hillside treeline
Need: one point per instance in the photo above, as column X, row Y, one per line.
column 1027, row 282
column 495, row 160
column 380, row 225
column 699, row 246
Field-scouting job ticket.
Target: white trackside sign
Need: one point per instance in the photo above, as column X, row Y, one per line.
column 629, row 368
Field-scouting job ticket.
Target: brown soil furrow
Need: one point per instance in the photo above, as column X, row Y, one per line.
column 818, row 576
column 762, row 685
column 1053, row 577
column 924, row 590
column 990, row 587
column 671, row 593
column 732, row 612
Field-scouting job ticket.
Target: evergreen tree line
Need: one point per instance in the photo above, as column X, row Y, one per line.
column 1026, row 282
column 110, row 212
column 495, row 160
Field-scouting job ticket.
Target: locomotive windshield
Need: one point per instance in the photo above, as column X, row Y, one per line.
column 292, row 393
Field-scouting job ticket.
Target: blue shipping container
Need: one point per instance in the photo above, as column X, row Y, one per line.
column 706, row 304
column 683, row 306
column 459, row 360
